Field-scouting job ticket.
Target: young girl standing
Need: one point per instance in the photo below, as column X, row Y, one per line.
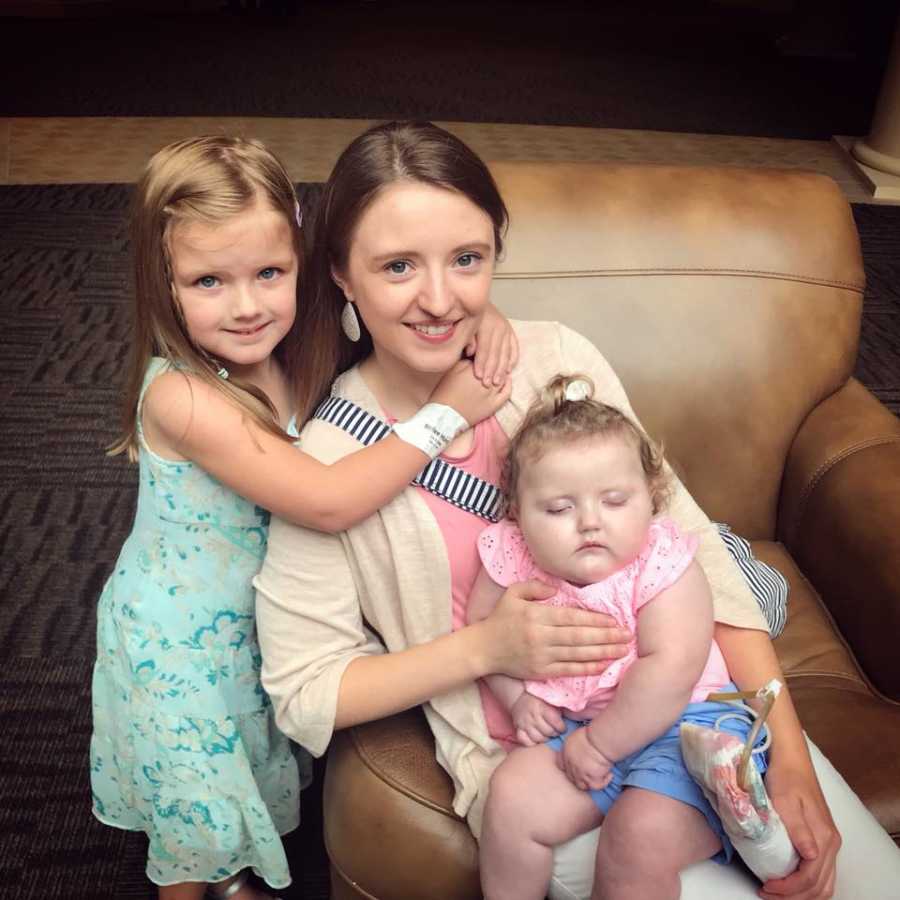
column 586, row 490
column 184, row 745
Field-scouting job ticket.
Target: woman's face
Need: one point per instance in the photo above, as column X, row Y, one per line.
column 419, row 271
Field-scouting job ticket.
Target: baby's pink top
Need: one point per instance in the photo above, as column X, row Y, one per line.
column 666, row 555
column 460, row 530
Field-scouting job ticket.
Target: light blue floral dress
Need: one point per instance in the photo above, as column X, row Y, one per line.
column 185, row 746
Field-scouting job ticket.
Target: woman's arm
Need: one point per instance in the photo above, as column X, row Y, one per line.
column 534, row 720
column 519, row 638
column 324, row 668
column 200, row 425
column 790, row 780
column 482, row 601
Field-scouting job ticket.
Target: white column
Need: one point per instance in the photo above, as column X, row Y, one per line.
column 881, row 149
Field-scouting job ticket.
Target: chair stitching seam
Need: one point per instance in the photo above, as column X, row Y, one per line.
column 754, row 273
column 396, row 784
column 827, row 465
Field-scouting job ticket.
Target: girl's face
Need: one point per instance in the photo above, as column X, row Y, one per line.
column 419, row 271
column 237, row 285
column 584, row 508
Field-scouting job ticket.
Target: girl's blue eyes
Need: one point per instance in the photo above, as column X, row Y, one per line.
column 398, row 267
column 208, row 282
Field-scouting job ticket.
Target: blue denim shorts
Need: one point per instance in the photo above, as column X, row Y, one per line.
column 659, row 766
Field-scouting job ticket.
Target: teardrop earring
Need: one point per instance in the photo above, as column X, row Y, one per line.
column 350, row 322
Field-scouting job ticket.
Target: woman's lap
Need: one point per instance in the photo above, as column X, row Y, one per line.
column 868, row 862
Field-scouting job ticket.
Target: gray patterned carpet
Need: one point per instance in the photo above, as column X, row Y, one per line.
column 65, row 509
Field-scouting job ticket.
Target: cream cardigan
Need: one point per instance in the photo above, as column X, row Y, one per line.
column 323, row 600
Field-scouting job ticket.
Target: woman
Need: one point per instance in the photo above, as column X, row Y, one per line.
column 409, row 228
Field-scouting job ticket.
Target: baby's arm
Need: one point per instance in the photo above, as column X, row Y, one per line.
column 191, row 418
column 535, row 720
column 674, row 634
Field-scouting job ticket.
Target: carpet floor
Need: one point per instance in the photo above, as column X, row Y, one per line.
column 810, row 70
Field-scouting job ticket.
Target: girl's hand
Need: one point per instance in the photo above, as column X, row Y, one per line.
column 533, row 640
column 494, row 346
column 585, row 766
column 796, row 795
column 471, row 397
column 535, row 720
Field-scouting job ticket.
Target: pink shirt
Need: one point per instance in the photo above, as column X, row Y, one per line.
column 460, row 530
column 666, row 554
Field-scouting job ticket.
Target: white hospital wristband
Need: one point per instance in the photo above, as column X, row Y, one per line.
column 432, row 428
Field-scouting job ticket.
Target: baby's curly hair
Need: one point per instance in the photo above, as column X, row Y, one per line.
column 553, row 419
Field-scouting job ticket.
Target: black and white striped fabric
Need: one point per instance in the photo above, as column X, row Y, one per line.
column 475, row 495
column 450, row 483
column 768, row 585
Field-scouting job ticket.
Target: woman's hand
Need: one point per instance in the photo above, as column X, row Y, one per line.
column 494, row 347
column 533, row 640
column 796, row 795
column 584, row 765
column 535, row 720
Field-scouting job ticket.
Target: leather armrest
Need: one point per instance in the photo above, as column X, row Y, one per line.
column 839, row 515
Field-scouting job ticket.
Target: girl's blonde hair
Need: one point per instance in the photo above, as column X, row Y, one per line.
column 206, row 180
column 553, row 420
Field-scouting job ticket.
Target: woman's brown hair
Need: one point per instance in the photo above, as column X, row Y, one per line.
column 379, row 157
column 206, row 180
column 554, row 419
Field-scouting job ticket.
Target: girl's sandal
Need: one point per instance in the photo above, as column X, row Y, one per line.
column 214, row 892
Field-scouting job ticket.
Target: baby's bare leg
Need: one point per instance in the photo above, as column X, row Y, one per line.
column 646, row 840
column 531, row 807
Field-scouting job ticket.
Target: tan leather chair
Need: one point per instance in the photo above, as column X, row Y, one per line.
column 729, row 301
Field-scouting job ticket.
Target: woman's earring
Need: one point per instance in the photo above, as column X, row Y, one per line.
column 350, row 322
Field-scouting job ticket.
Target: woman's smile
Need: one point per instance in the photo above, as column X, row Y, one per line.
column 433, row 332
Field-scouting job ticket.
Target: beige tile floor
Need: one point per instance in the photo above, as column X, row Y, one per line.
column 60, row 150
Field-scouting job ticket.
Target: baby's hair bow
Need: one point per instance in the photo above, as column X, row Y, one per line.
column 577, row 390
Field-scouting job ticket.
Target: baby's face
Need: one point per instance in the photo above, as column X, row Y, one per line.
column 585, row 508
